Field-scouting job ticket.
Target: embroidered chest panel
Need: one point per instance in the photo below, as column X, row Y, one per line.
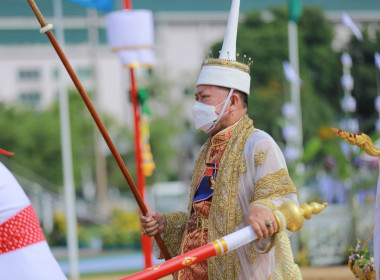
column 225, row 212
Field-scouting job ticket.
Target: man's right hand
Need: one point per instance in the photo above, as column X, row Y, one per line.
column 152, row 223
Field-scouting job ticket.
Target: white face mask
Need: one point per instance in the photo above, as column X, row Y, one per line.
column 204, row 115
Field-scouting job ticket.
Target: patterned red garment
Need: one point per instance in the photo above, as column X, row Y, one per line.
column 21, row 230
column 198, row 237
column 191, row 241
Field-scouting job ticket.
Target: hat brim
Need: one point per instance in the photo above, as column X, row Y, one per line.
column 225, row 77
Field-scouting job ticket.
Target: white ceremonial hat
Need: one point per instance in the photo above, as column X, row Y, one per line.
column 225, row 71
column 130, row 33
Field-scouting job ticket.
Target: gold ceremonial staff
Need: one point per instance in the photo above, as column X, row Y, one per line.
column 47, row 28
column 292, row 218
column 362, row 140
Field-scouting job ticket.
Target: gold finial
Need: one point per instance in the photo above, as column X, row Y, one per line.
column 245, row 56
column 294, row 214
column 250, row 61
column 362, row 140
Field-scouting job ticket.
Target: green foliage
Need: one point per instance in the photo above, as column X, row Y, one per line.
column 58, row 235
column 81, row 128
column 311, row 149
column 35, row 138
column 123, row 230
column 302, row 258
column 165, row 126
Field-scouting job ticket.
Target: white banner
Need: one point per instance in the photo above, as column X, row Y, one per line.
column 377, row 60
column 290, row 74
column 350, row 23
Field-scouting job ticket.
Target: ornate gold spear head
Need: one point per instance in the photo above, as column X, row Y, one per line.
column 362, row 140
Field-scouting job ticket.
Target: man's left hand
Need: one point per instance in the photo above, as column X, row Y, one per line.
column 262, row 221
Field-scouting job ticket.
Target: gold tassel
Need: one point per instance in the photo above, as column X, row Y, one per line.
column 285, row 268
column 147, row 158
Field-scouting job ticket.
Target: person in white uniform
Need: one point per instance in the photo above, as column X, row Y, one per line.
column 24, row 252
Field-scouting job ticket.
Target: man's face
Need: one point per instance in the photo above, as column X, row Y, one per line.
column 211, row 95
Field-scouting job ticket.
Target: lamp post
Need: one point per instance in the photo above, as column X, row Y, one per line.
column 130, row 34
column 146, row 243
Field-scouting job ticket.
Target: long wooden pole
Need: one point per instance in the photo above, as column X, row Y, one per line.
column 96, row 118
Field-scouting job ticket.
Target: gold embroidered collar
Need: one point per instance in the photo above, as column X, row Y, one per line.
column 223, row 136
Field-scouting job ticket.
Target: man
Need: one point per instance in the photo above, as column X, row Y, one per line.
column 24, row 252
column 239, row 177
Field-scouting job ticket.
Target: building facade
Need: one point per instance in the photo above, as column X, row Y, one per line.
column 183, row 34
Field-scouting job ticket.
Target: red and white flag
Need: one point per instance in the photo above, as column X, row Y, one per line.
column 24, row 252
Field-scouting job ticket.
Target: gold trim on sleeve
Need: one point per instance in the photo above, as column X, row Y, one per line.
column 277, row 184
column 266, row 203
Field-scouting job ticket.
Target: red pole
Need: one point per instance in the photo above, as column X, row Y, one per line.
column 146, row 243
column 177, row 263
column 127, row 4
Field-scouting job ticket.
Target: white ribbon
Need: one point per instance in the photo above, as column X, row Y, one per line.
column 351, row 24
column 290, row 74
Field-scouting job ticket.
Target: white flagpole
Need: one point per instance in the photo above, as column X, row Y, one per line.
column 295, row 88
column 68, row 178
column 100, row 160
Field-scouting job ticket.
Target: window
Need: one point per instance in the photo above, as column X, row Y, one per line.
column 84, row 73
column 30, row 99
column 29, row 74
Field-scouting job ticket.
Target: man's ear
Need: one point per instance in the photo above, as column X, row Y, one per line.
column 235, row 101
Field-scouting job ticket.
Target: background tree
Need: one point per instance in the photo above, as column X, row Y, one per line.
column 35, row 138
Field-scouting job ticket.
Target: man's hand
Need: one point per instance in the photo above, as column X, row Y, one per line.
column 152, row 223
column 262, row 221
